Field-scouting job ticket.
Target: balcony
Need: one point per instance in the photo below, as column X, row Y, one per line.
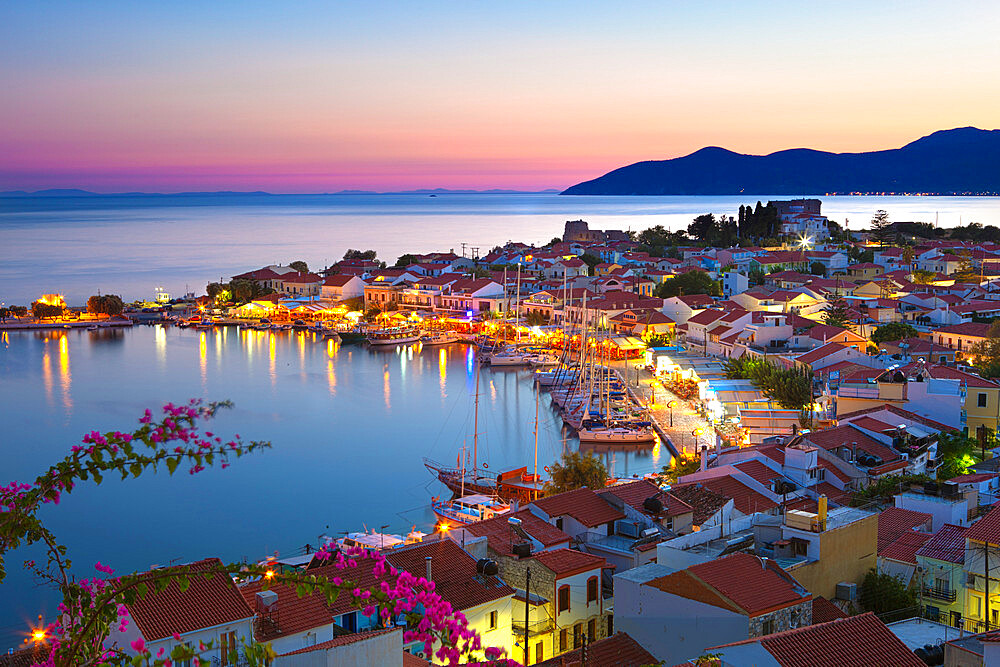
column 943, row 594
column 535, row 628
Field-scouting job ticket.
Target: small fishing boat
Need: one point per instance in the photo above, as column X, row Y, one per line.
column 393, row 336
column 299, row 325
column 617, row 434
column 543, row 360
column 332, row 335
column 93, row 327
column 375, row 540
column 509, row 359
column 468, row 509
column 440, row 338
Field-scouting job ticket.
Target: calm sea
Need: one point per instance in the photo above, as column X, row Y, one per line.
column 350, row 427
column 130, row 245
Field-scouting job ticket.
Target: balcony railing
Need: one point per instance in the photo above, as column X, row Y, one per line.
column 945, row 594
column 976, row 627
column 535, row 628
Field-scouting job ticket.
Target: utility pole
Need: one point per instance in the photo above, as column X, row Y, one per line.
column 986, row 571
column 527, row 596
column 463, row 248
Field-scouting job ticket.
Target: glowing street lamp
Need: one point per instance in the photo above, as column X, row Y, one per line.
column 671, row 405
column 805, row 242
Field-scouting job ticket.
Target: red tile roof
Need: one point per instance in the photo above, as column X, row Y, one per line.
column 567, row 562
column 899, row 412
column 453, row 572
column 759, row 471
column 745, row 499
column 295, row 614
column 619, row 650
column 857, row 641
column 338, row 280
column 905, row 548
column 824, row 611
column 704, row 502
column 635, row 493
column 895, row 521
column 845, row 436
column 306, row 278
column 344, row 640
column 500, row 536
column 986, row 529
column 820, row 352
column 974, row 477
column 948, row 544
column 584, row 505
column 740, row 581
column 965, row 329
column 206, row 603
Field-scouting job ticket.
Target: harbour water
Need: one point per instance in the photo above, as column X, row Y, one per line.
column 350, row 426
column 129, row 245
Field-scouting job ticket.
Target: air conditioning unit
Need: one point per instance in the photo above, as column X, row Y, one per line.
column 847, row 590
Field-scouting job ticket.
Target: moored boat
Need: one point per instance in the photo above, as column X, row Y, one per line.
column 393, row 336
column 468, row 509
column 440, row 338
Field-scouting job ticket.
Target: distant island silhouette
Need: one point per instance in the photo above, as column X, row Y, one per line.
column 962, row 161
column 74, row 192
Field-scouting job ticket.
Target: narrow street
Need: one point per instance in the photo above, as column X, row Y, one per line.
column 680, row 421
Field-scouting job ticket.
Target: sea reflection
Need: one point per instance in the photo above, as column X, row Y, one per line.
column 65, row 379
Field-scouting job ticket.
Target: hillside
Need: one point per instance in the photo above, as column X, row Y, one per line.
column 959, row 161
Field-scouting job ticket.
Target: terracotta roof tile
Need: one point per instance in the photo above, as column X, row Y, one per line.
column 824, row 611
column 894, row 521
column 295, row 614
column 857, row 641
column 584, row 505
column 986, row 529
column 820, row 352
column 899, row 412
column 705, row 502
column 745, row 499
column 619, row 650
column 344, row 640
column 207, row 602
column 741, row 580
column 567, row 562
column 948, row 544
column 759, row 471
column 500, row 536
column 635, row 494
column 905, row 548
column 974, row 477
column 453, row 572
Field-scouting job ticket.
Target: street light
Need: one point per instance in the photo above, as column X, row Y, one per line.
column 696, row 432
column 671, row 405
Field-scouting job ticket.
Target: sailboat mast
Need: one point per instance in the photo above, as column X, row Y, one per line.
column 537, row 392
column 475, row 428
column 517, row 305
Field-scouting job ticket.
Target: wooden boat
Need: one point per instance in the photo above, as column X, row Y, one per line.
column 440, row 338
column 394, row 336
column 468, row 509
column 379, row 541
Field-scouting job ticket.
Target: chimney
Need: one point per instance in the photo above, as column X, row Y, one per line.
column 704, row 459
column 427, row 562
column 821, row 502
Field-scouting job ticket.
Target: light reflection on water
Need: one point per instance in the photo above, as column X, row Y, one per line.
column 350, row 426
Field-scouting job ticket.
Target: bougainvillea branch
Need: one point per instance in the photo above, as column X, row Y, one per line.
column 91, row 607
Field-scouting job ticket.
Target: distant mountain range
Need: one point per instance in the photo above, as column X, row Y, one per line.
column 963, row 161
column 73, row 192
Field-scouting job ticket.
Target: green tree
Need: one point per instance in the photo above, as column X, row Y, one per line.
column 355, row 304
column 679, row 467
column 591, row 261
column 860, row 255
column 883, row 593
column 42, row 311
column 299, row 266
column 19, row 311
column 703, row 228
column 922, row 277
column 956, row 452
column 372, row 313
column 359, row 254
column 838, row 314
column 107, row 304
column 536, row 319
column 213, row 290
column 555, row 240
column 654, row 237
column 817, row 269
column 756, row 277
column 880, row 225
column 577, row 470
column 404, row 261
column 986, row 354
column 4, row 314
column 791, row 388
column 893, row 331
column 691, row 282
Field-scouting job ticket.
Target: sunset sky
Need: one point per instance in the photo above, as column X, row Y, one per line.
column 319, row 97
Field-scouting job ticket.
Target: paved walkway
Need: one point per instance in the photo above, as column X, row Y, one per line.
column 684, row 419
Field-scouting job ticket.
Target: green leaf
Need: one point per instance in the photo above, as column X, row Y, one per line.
column 172, row 465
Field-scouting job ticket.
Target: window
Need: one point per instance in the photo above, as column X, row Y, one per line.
column 591, row 590
column 611, row 625
column 563, row 599
column 767, row 627
column 611, row 527
column 981, row 399
column 563, row 640
column 559, row 523
column 592, row 630
column 577, row 635
column 227, row 646
column 493, row 620
column 539, row 652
